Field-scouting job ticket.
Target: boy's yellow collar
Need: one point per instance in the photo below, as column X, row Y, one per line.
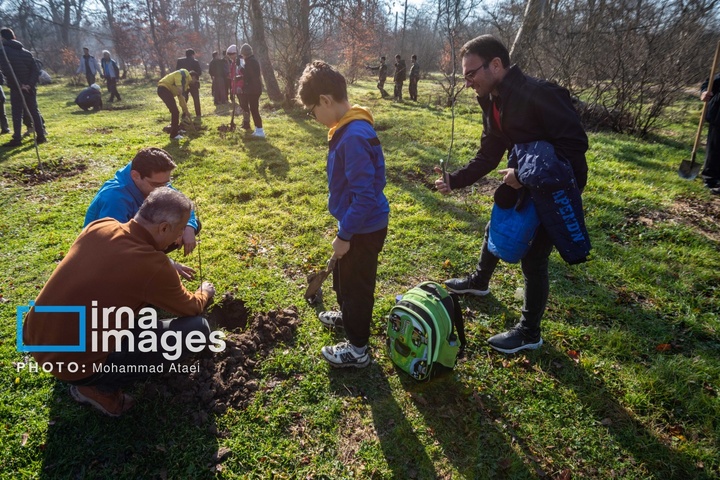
column 356, row 112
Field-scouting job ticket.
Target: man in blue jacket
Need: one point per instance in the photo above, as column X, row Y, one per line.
column 517, row 110
column 121, row 196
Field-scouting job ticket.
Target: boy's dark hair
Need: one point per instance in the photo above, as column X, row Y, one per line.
column 189, row 52
column 414, row 57
column 487, row 47
column 215, row 54
column 398, row 56
column 321, row 78
column 195, row 75
column 382, row 58
column 151, row 160
column 7, row 33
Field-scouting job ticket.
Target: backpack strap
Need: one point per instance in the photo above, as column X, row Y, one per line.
column 452, row 306
column 459, row 323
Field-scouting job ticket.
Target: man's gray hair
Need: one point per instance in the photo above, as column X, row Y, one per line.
column 165, row 204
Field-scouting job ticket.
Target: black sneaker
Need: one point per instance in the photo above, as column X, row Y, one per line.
column 331, row 319
column 15, row 142
column 515, row 340
column 470, row 284
column 715, row 191
column 712, row 183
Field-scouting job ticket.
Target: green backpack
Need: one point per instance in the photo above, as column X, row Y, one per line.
column 425, row 327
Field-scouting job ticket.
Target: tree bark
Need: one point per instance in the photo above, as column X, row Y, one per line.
column 263, row 53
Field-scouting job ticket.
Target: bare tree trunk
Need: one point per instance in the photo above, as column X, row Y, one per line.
column 527, row 33
column 153, row 32
column 263, row 53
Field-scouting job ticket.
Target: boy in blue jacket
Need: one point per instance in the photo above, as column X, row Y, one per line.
column 356, row 178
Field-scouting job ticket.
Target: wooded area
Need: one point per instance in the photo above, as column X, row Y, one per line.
column 625, row 59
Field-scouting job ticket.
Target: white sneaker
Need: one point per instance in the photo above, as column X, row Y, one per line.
column 343, row 355
column 331, row 318
column 259, row 133
column 178, row 137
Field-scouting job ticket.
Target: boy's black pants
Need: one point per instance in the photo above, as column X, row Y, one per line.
column 354, row 283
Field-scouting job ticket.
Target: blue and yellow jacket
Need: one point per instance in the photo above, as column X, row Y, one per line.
column 356, row 175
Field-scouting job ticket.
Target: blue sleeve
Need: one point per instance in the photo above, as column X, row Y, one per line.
column 110, row 204
column 360, row 174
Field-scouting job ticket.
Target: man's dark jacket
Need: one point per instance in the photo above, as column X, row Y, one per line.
column 89, row 98
column 189, row 64
column 712, row 115
column 400, row 71
column 253, row 83
column 533, row 111
column 530, row 110
column 23, row 64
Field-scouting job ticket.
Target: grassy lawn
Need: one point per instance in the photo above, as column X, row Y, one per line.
column 626, row 386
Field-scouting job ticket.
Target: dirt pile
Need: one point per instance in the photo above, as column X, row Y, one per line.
column 218, row 381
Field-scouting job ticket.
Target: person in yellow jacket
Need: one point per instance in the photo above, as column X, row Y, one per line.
column 173, row 85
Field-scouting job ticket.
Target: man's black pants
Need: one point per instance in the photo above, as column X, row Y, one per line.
column 169, row 99
column 18, row 112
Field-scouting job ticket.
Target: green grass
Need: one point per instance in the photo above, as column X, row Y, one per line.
column 599, row 400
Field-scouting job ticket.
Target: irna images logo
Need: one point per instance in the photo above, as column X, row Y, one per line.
column 143, row 334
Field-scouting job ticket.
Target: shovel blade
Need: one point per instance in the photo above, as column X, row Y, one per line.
column 689, row 170
column 315, row 280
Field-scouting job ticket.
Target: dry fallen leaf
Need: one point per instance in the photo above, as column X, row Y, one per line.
column 24, row 440
column 574, row 354
column 663, row 347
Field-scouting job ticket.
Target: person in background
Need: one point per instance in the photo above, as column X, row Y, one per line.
column 88, row 66
column 4, row 127
column 176, row 84
column 90, row 97
column 711, row 168
column 382, row 76
column 27, row 72
column 111, row 73
column 191, row 64
column 414, row 78
column 252, row 88
column 216, row 69
column 399, row 76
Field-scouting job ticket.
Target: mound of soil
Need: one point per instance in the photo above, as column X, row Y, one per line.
column 32, row 175
column 228, row 379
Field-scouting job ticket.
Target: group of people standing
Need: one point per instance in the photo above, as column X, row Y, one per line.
column 108, row 70
column 234, row 76
column 399, row 77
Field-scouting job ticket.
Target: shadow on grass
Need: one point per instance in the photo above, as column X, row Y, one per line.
column 470, row 429
column 404, row 452
column 273, row 163
column 153, row 440
column 635, row 438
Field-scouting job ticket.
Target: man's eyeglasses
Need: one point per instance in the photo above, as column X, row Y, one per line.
column 311, row 112
column 470, row 76
column 158, row 184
